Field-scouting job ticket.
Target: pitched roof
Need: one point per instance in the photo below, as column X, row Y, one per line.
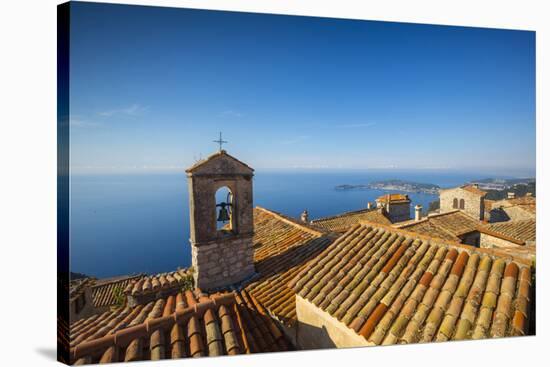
column 104, row 291
column 474, row 190
column 186, row 324
column 519, row 230
column 154, row 283
column 219, row 156
column 448, row 225
column 342, row 222
column 282, row 247
column 393, row 286
column 527, row 203
column 394, row 198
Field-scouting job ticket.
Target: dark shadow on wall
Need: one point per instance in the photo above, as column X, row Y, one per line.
column 310, row 337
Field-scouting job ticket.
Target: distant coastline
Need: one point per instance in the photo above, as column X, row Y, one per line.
column 394, row 185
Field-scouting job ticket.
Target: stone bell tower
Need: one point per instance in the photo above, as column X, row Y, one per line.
column 224, row 256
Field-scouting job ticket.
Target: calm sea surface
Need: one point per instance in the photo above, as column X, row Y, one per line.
column 122, row 224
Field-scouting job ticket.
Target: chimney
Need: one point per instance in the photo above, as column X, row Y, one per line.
column 304, row 217
column 529, row 194
column 511, row 195
column 417, row 212
column 388, row 197
column 369, row 205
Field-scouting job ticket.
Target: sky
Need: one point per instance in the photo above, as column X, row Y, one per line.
column 152, row 87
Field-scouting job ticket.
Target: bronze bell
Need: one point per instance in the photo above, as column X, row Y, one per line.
column 223, row 215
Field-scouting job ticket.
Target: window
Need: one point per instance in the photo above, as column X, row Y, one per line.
column 455, row 203
column 224, row 209
column 461, row 203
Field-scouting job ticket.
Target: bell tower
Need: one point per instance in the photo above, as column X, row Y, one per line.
column 221, row 226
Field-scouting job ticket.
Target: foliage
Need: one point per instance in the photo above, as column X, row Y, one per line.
column 118, row 296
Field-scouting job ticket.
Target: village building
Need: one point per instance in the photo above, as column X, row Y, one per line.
column 454, row 225
column 468, row 198
column 516, row 236
column 342, row 222
column 265, row 282
column 513, row 208
column 397, row 207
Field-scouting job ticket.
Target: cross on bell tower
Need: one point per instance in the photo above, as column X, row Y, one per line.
column 220, row 141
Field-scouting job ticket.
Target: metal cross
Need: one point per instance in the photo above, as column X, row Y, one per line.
column 220, row 141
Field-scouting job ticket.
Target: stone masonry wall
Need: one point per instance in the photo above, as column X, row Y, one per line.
column 317, row 329
column 488, row 241
column 400, row 212
column 473, row 204
column 218, row 264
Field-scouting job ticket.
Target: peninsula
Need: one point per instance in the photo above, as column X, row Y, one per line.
column 394, row 185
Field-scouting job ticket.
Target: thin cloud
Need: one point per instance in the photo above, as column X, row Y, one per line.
column 133, row 110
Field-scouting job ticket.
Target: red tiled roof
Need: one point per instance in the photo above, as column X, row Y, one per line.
column 520, row 231
column 393, row 286
column 393, row 198
column 474, row 190
column 186, row 324
column 527, row 203
column 343, row 222
column 281, row 248
column 448, row 226
column 104, row 291
column 154, row 283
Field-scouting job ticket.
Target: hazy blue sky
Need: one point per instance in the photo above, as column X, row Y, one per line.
column 152, row 87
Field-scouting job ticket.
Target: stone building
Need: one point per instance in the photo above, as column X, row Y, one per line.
column 468, row 198
column 221, row 257
column 80, row 299
column 453, row 225
column 516, row 236
column 397, row 206
column 512, row 208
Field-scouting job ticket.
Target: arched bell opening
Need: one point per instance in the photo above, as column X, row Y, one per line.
column 224, row 210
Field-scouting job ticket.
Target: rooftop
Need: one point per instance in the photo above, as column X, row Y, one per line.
column 394, row 286
column 104, row 291
column 344, row 221
column 186, row 324
column 527, row 203
column 519, row 231
column 474, row 189
column 393, row 198
column 282, row 247
column 448, row 225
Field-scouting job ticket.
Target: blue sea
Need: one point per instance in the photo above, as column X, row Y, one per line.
column 124, row 224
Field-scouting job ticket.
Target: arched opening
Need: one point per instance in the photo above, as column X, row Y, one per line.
column 455, row 203
column 224, row 210
column 461, row 203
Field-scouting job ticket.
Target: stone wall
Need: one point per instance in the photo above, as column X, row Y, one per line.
column 400, row 212
column 221, row 263
column 488, row 241
column 85, row 307
column 317, row 329
column 473, row 203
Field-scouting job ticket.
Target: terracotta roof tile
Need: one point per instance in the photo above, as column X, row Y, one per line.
column 393, row 198
column 519, row 230
column 402, row 287
column 282, row 247
column 474, row 190
column 342, row 222
column 104, row 292
column 448, row 226
column 206, row 325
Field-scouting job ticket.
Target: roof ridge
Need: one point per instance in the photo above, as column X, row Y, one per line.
column 450, row 243
column 126, row 335
column 359, row 211
column 214, row 155
column 292, row 222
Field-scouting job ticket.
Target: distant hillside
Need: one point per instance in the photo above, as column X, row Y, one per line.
column 75, row 276
column 394, row 185
column 519, row 189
